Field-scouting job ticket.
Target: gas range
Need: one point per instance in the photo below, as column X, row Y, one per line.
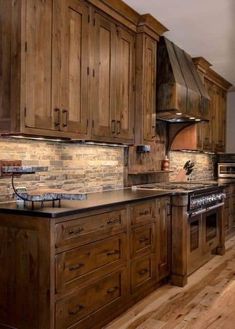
column 176, row 186
column 201, row 196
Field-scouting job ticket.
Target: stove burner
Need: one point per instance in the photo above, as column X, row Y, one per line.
column 181, row 186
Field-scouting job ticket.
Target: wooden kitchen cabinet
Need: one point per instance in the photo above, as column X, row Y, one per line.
column 70, row 62
column 212, row 134
column 47, row 69
column 146, row 77
column 113, row 81
column 80, row 271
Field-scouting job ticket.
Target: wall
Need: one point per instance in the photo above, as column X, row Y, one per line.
column 230, row 147
column 82, row 168
column 204, row 165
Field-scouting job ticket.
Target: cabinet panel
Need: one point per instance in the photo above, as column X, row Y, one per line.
column 97, row 258
column 143, row 213
column 38, row 52
column 107, row 290
column 70, row 65
column 125, row 76
column 164, row 236
column 90, row 228
column 150, row 65
column 143, row 271
column 104, row 101
column 143, row 239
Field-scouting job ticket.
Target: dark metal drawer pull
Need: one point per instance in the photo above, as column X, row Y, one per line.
column 113, row 252
column 143, row 239
column 144, row 271
column 118, row 127
column 144, row 213
column 76, row 267
column 57, row 117
column 77, row 309
column 113, row 126
column 112, row 290
column 77, row 231
column 114, row 221
column 65, row 115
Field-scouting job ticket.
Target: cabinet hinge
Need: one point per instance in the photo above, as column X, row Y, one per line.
column 88, row 70
column 87, row 123
column 25, row 112
column 93, row 73
column 26, row 46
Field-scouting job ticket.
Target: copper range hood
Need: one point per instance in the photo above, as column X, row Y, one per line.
column 181, row 95
column 182, row 99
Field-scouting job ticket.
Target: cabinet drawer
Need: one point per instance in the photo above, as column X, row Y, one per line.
column 143, row 271
column 143, row 239
column 83, row 302
column 83, row 262
column 91, row 228
column 143, row 212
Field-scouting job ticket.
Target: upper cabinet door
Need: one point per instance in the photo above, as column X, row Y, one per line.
column 70, row 65
column 37, row 64
column 150, row 67
column 125, row 81
column 104, row 73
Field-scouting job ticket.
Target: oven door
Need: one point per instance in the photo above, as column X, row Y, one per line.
column 211, row 220
column 195, row 242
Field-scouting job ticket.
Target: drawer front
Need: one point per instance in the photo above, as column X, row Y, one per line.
column 143, row 239
column 83, row 262
column 143, row 212
column 91, row 228
column 143, row 271
column 81, row 303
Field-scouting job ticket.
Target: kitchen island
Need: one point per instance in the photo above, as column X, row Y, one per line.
column 81, row 265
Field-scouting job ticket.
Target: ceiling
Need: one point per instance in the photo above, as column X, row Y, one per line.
column 202, row 28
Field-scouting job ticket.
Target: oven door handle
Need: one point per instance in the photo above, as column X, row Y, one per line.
column 198, row 212
column 218, row 205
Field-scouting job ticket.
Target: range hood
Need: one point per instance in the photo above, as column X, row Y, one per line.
column 181, row 95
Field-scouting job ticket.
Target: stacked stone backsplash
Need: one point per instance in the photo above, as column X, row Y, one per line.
column 73, row 167
column 204, row 165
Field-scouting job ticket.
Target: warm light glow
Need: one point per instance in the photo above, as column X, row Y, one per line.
column 192, row 118
column 178, row 113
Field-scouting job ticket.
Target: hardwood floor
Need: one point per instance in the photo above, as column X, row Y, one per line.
column 208, row 301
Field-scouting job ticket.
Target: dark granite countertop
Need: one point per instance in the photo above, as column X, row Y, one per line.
column 94, row 201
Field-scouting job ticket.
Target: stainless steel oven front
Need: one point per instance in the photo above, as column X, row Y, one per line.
column 203, row 235
column 226, row 170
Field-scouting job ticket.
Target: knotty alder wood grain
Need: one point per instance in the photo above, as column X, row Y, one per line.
column 208, row 301
column 80, row 271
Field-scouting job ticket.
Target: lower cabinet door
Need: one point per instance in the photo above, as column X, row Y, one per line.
column 143, row 272
column 103, row 295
